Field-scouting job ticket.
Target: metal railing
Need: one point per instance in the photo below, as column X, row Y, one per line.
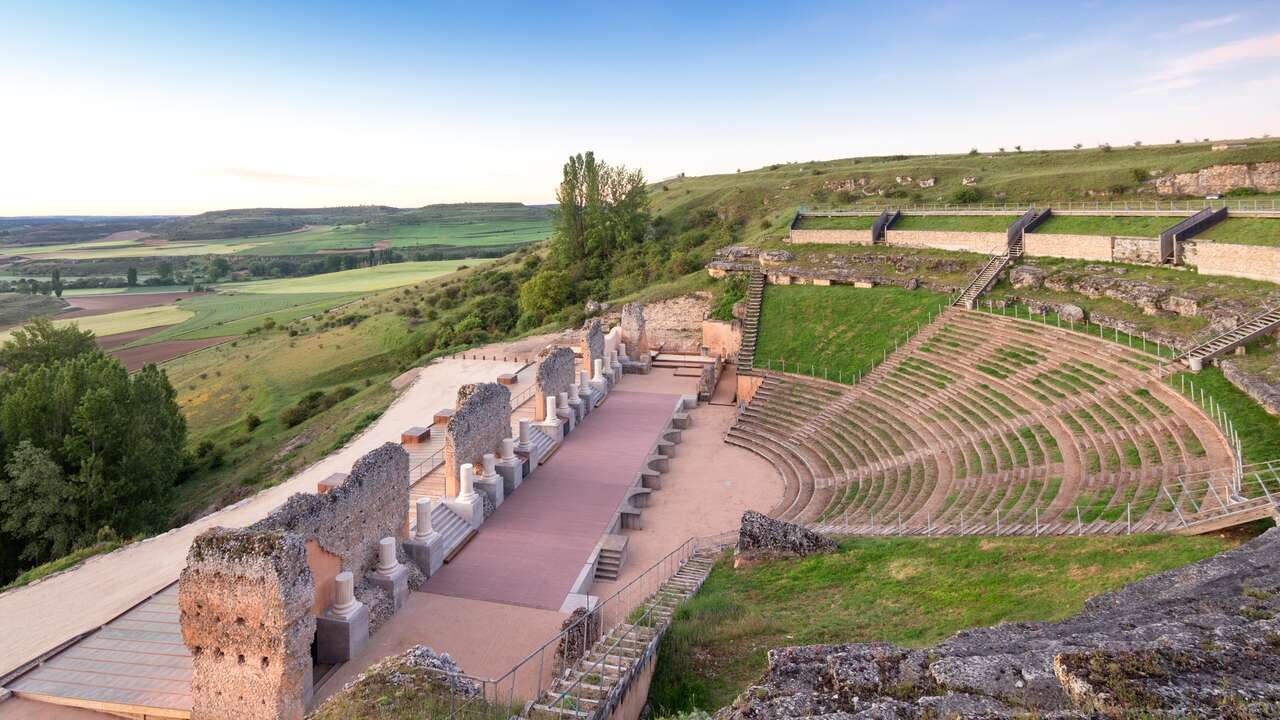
column 436, row 458
column 1269, row 204
column 529, row 679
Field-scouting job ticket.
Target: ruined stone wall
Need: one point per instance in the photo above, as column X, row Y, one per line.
column 1141, row 250
column 244, row 601
column 480, row 422
column 979, row 242
column 592, row 345
column 633, row 330
column 1264, row 177
column 557, row 370
column 1076, row 247
column 721, row 338
column 831, row 237
column 1255, row 262
column 675, row 325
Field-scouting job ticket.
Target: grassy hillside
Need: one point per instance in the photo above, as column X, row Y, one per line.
column 16, row 307
column 764, row 199
column 908, row 591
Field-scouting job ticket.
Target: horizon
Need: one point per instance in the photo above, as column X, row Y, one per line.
column 176, row 111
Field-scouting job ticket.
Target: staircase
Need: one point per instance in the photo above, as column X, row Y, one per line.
column 453, row 527
column 1244, row 332
column 983, row 282
column 591, row 689
column 751, row 324
column 612, row 554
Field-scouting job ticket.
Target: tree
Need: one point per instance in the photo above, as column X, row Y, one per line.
column 56, row 282
column 219, row 267
column 1077, row 146
column 545, row 293
column 1017, row 148
column 131, row 277
column 164, row 269
column 973, row 151
column 40, row 342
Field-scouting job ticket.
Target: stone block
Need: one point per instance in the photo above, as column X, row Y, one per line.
column 512, row 472
column 508, row 379
column 443, row 416
column 415, row 435
column 428, row 555
column 395, row 582
column 338, row 639
column 330, row 483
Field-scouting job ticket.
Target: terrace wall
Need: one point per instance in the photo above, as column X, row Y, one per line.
column 1075, row 247
column 1254, row 262
column 1141, row 250
column 831, row 237
column 979, row 242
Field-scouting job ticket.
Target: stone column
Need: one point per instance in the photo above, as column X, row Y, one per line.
column 615, row 368
column 552, row 425
column 575, row 403
column 343, row 630
column 563, row 411
column 426, row 547
column 523, row 444
column 468, row 504
column 510, row 467
column 584, row 394
column 490, row 482
column 390, row 575
column 600, row 383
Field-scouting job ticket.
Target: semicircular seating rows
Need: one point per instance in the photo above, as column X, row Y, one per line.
column 982, row 424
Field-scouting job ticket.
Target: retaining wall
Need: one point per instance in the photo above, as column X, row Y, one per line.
column 979, row 242
column 1255, row 262
column 832, row 237
column 1074, row 247
column 1140, row 250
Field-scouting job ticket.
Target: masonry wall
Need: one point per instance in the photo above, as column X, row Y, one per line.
column 721, row 338
column 1136, row 250
column 592, row 346
column 831, row 237
column 1075, row 247
column 557, row 370
column 979, row 242
column 1255, row 262
column 480, row 422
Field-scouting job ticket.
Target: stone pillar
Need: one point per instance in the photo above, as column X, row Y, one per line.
column 575, row 403
column 600, row 383
column 584, row 393
column 1195, row 363
column 490, row 482
column 510, row 467
column 468, row 504
column 565, row 412
column 343, row 630
column 523, row 444
column 552, row 425
column 390, row 575
column 426, row 546
column 245, row 602
column 615, row 368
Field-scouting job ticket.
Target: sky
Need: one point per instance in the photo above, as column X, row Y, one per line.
column 173, row 108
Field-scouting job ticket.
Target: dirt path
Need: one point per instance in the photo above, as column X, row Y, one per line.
column 40, row 616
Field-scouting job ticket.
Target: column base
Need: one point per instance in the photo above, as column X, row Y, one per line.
column 338, row 639
column 396, row 583
column 470, row 509
column 427, row 554
column 512, row 472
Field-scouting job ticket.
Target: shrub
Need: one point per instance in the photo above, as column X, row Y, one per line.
column 967, row 195
column 251, row 422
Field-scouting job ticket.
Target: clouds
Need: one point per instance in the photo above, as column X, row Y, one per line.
column 1185, row 70
column 1196, row 26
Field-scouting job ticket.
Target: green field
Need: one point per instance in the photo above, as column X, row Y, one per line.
column 367, row 279
column 955, row 223
column 1135, row 226
column 222, row 315
column 124, row 321
column 1244, row 231
column 842, row 222
column 841, row 328
column 909, row 591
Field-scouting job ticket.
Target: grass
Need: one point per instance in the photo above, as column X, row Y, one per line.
column 909, row 591
column 1138, row 226
column 17, row 308
column 359, row 280
column 955, row 223
column 1259, row 431
column 125, row 320
column 841, row 328
column 63, row 563
column 221, row 315
column 1244, row 231
column 843, row 222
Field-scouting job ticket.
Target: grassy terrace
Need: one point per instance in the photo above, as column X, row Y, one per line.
column 1259, row 431
column 1138, row 226
column 845, row 329
column 957, row 223
column 843, row 222
column 909, row 591
column 1245, row 231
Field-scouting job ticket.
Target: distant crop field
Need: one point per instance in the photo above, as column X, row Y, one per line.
column 124, row 321
column 1245, row 231
column 1139, row 226
column 220, row 315
column 369, row 279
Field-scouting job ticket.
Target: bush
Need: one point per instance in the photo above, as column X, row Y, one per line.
column 1242, row 192
column 251, row 422
column 967, row 195
column 314, row 403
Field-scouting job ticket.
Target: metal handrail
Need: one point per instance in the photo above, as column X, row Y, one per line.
column 1176, row 206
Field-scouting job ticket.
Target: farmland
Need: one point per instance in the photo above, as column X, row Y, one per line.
column 380, row 277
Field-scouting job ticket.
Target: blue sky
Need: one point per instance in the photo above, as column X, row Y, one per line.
column 125, row 107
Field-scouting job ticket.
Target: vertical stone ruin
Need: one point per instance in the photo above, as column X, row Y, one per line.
column 245, row 602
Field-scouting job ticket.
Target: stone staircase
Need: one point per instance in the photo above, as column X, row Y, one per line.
column 594, row 685
column 751, row 324
column 1252, row 328
column 983, row 281
column 455, row 530
column 612, row 555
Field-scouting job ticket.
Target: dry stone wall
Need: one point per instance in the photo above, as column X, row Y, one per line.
column 480, row 422
column 675, row 325
column 1076, row 247
column 633, row 330
column 592, row 345
column 979, row 242
column 831, row 237
column 1255, row 262
column 1264, row 177
column 245, row 601
column 1140, row 250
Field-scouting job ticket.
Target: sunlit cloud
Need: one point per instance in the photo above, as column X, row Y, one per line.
column 1188, row 70
column 1196, row 26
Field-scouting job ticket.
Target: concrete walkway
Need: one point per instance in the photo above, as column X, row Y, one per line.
column 41, row 616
